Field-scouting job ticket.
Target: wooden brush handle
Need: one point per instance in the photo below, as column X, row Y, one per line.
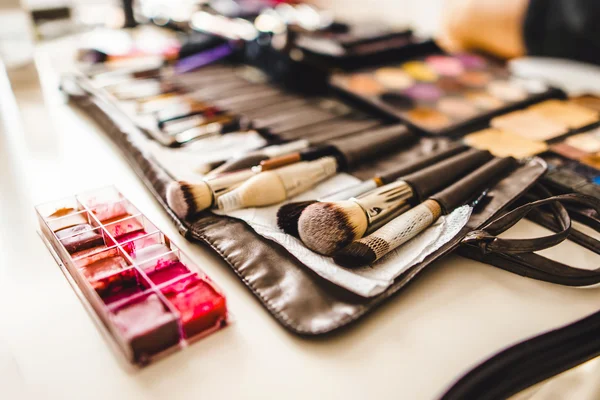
column 279, row 162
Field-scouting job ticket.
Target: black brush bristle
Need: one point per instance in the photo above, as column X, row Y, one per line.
column 356, row 255
column 289, row 214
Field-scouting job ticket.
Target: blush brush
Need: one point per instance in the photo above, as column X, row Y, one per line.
column 408, row 225
column 288, row 214
column 327, row 227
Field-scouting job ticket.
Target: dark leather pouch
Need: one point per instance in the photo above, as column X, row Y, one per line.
column 300, row 300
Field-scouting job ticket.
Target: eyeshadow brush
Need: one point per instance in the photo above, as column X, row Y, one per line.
column 289, row 214
column 408, row 225
column 331, row 131
column 188, row 199
column 327, row 227
column 343, row 153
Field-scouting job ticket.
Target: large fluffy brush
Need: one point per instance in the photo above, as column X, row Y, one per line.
column 327, row 227
column 350, row 220
column 403, row 228
column 289, row 214
column 188, row 199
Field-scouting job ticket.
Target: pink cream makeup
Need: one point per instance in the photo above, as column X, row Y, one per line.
column 148, row 297
column 443, row 94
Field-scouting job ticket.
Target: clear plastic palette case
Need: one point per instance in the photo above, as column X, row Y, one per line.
column 151, row 298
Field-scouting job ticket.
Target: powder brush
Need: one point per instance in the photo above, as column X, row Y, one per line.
column 288, row 214
column 403, row 228
column 188, row 199
column 327, row 227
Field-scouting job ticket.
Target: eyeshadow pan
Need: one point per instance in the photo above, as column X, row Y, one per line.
column 147, row 325
column 65, row 218
column 593, row 160
column 121, row 286
column 484, row 100
column 419, row 71
column 394, row 78
column 103, row 268
column 424, row 92
column 445, row 65
column 168, row 271
column 564, row 112
column 457, row 108
column 529, row 125
column 588, row 142
column 428, row 118
column 588, row 101
column 450, row 85
column 201, row 307
column 150, row 252
column 79, row 237
column 365, row 84
column 123, row 226
column 504, row 144
column 471, row 61
column 507, row 91
column 475, row 79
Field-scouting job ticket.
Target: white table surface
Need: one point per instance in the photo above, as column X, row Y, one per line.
column 413, row 347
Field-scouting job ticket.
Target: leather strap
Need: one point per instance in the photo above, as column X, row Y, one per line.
column 517, row 255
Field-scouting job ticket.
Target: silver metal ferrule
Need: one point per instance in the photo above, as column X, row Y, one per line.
column 384, row 203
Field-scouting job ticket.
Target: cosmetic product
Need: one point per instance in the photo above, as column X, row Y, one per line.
column 327, row 227
column 272, row 187
column 372, row 143
column 188, row 199
column 148, row 298
column 567, row 113
column 403, row 228
column 530, row 125
column 288, row 214
column 442, row 94
column 502, row 143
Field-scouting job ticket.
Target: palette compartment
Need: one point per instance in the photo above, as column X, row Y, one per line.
column 121, row 272
column 442, row 94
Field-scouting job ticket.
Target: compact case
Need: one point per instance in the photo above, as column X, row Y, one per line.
column 147, row 294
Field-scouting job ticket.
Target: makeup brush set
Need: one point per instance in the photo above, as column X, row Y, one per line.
column 390, row 154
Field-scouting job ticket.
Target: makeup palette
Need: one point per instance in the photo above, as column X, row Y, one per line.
column 443, row 94
column 150, row 298
column 528, row 132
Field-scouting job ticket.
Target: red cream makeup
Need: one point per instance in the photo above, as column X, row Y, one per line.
column 149, row 296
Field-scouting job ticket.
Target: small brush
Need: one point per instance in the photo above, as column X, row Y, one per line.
column 288, row 214
column 408, row 225
column 188, row 199
column 272, row 187
column 327, row 227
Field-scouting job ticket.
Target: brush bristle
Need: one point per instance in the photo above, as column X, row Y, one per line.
column 188, row 199
column 356, row 255
column 329, row 227
column 289, row 214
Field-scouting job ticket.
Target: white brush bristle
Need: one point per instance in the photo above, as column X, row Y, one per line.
column 328, row 227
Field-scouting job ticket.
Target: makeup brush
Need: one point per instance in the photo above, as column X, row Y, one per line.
column 188, row 199
column 288, row 214
column 408, row 225
column 327, row 227
column 272, row 187
column 330, row 131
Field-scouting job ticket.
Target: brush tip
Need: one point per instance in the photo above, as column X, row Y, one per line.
column 356, row 255
column 329, row 227
column 289, row 214
column 187, row 199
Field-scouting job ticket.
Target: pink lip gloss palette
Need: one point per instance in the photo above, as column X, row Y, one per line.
column 148, row 294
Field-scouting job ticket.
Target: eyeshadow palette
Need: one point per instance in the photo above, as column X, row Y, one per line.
column 535, row 129
column 442, row 94
column 151, row 298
